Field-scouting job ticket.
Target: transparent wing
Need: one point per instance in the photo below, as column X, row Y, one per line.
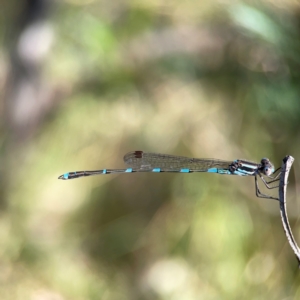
column 146, row 160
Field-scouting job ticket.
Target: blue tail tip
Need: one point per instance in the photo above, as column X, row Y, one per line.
column 64, row 176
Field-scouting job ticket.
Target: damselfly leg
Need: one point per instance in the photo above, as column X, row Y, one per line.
column 274, row 179
column 259, row 194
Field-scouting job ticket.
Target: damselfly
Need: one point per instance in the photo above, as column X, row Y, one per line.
column 140, row 161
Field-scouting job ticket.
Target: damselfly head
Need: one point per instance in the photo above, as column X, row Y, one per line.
column 267, row 167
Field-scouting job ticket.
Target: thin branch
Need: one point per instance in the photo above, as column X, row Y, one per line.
column 285, row 170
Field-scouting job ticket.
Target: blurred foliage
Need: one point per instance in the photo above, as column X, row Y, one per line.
column 201, row 79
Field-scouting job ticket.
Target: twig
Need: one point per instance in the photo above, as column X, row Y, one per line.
column 285, row 170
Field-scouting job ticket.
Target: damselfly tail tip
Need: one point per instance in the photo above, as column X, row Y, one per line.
column 64, row 176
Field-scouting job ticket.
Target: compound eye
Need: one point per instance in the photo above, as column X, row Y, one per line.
column 264, row 161
column 268, row 171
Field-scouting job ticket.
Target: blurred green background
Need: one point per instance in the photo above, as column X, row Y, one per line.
column 82, row 82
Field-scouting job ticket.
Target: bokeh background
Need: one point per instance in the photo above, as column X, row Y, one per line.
column 82, row 82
